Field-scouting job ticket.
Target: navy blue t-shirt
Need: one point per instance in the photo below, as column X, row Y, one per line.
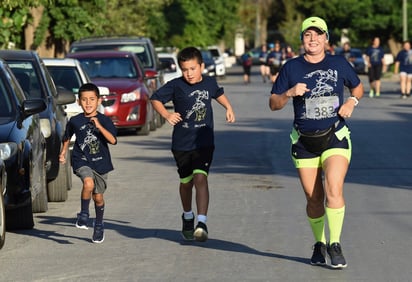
column 318, row 108
column 405, row 60
column 194, row 103
column 375, row 55
column 91, row 147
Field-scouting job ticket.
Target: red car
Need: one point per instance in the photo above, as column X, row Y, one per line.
column 122, row 72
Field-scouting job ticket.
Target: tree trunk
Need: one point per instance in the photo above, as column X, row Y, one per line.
column 29, row 31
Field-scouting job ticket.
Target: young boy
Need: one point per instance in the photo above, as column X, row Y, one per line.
column 91, row 159
column 193, row 135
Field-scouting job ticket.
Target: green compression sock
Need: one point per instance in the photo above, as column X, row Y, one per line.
column 335, row 221
column 318, row 228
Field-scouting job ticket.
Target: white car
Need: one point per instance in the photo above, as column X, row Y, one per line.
column 69, row 74
column 170, row 66
column 219, row 61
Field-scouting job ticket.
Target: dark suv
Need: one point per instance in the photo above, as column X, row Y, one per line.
column 36, row 82
column 141, row 46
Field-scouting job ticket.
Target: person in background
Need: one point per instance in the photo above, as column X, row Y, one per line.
column 346, row 52
column 289, row 53
column 247, row 62
column 274, row 61
column 90, row 158
column 264, row 69
column 403, row 66
column 193, row 134
column 374, row 59
column 321, row 145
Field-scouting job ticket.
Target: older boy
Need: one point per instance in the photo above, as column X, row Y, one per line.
column 193, row 135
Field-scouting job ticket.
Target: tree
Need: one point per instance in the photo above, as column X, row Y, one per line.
column 199, row 23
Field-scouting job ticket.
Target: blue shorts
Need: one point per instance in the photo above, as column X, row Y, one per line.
column 340, row 144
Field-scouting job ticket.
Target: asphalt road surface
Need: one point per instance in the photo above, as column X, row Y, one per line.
column 257, row 224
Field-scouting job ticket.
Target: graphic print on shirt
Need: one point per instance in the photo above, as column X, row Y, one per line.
column 199, row 107
column 319, row 106
column 408, row 59
column 90, row 140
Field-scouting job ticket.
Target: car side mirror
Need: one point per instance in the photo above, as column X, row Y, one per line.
column 64, row 96
column 31, row 107
column 151, row 74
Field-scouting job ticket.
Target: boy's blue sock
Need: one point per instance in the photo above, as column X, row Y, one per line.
column 85, row 206
column 99, row 214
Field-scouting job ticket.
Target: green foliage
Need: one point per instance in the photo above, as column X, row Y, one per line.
column 199, row 23
column 11, row 25
column 180, row 23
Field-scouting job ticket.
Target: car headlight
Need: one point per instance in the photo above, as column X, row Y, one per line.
column 211, row 67
column 45, row 127
column 131, row 96
column 7, row 150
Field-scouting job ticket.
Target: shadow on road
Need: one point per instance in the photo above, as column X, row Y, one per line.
column 133, row 232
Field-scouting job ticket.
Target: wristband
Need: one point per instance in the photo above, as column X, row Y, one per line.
column 354, row 99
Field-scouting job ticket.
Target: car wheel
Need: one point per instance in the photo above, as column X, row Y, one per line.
column 159, row 121
column 21, row 217
column 38, row 183
column 2, row 220
column 145, row 130
column 69, row 177
column 57, row 188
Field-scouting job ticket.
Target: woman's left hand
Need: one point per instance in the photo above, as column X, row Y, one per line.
column 347, row 108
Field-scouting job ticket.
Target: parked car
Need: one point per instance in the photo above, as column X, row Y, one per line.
column 3, row 181
column 210, row 66
column 122, row 72
column 170, row 66
column 36, row 82
column 69, row 74
column 141, row 46
column 219, row 61
column 22, row 149
column 359, row 63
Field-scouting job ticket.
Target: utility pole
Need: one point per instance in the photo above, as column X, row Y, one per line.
column 257, row 23
column 405, row 19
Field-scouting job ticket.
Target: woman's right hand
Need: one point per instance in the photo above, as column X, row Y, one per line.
column 299, row 89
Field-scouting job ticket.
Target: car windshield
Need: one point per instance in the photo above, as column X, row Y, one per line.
column 207, row 55
column 67, row 77
column 168, row 64
column 7, row 109
column 356, row 53
column 28, row 78
column 141, row 51
column 109, row 67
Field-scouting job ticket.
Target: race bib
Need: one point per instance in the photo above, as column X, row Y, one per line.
column 321, row 107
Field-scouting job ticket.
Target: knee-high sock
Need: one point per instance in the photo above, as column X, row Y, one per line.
column 99, row 214
column 318, row 228
column 335, row 221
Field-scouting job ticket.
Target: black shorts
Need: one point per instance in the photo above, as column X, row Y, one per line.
column 189, row 162
column 375, row 73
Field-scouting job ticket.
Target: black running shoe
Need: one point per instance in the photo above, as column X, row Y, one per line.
column 98, row 234
column 82, row 220
column 188, row 228
column 200, row 233
column 319, row 254
column 337, row 260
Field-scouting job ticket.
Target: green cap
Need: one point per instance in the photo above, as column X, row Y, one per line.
column 315, row 22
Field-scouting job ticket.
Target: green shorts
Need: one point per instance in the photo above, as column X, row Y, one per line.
column 340, row 144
